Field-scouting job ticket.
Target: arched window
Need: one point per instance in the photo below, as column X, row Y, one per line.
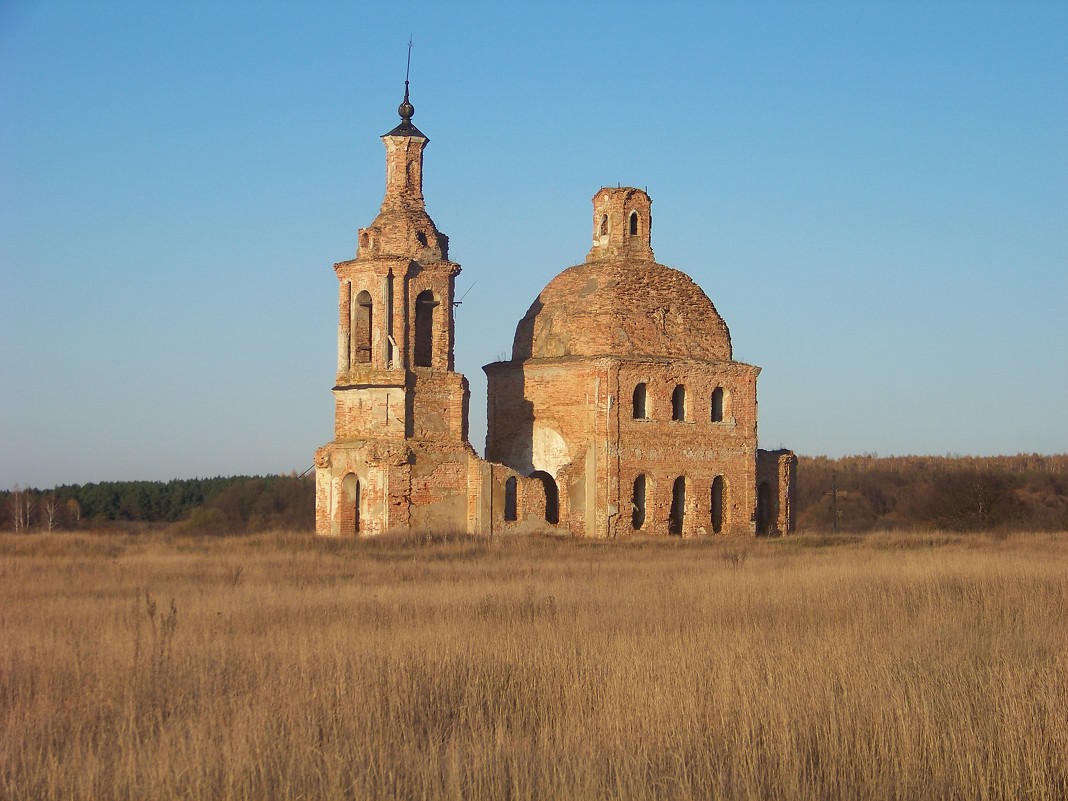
column 637, row 504
column 350, row 505
column 678, row 506
column 424, row 328
column 365, row 240
column 717, row 504
column 361, row 333
column 510, row 511
column 634, row 223
column 717, row 405
column 604, row 225
column 552, row 496
column 641, row 411
column 678, row 403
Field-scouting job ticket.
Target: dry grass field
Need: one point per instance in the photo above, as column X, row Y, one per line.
column 287, row 667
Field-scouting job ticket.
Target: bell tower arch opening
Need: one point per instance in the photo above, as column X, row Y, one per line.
column 425, row 304
column 363, row 319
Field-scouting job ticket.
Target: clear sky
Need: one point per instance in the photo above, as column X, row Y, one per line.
column 874, row 195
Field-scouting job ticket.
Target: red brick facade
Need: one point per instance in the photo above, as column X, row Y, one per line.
column 621, row 410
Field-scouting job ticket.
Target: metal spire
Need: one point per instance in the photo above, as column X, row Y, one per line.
column 406, row 109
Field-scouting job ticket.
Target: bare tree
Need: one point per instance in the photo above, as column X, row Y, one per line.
column 16, row 501
column 24, row 503
column 50, row 508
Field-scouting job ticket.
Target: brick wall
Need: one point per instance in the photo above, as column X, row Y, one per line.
column 565, row 448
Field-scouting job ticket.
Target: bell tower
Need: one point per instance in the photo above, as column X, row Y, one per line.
column 395, row 389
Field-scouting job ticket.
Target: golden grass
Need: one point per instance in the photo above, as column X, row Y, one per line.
column 889, row 667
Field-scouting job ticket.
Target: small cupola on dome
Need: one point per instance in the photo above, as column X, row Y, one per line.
column 620, row 302
column 622, row 224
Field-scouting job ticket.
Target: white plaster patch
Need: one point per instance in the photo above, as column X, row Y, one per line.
column 550, row 451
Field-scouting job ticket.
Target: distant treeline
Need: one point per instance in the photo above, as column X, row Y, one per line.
column 863, row 493
column 208, row 505
column 957, row 493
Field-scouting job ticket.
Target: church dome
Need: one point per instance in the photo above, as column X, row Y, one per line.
column 628, row 307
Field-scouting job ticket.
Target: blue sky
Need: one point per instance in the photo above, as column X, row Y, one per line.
column 874, row 195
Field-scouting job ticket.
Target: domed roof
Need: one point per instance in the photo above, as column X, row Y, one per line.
column 622, row 307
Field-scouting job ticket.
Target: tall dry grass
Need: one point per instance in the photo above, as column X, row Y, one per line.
column 283, row 666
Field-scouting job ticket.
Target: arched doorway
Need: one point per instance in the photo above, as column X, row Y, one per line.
column 717, row 504
column 552, row 496
column 350, row 505
column 763, row 516
column 678, row 506
column 637, row 504
column 511, row 513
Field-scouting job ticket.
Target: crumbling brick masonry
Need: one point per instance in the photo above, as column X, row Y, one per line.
column 620, row 412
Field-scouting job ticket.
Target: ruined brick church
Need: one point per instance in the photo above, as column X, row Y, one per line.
column 620, row 412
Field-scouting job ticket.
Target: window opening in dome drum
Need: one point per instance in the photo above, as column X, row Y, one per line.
column 717, row 504
column 634, row 223
column 717, row 405
column 361, row 335
column 637, row 504
column 678, row 506
column 678, row 403
column 424, row 328
column 640, row 403
column 604, row 225
column 510, row 513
